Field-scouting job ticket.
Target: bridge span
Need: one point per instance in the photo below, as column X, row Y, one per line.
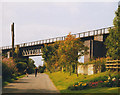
column 94, row 39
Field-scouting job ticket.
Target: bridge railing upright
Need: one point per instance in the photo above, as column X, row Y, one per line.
column 77, row 35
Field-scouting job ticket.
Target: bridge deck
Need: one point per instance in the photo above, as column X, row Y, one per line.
column 78, row 35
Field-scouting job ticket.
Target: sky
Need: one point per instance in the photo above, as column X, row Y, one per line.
column 42, row 20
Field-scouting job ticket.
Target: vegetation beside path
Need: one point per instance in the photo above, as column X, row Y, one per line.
column 4, row 83
column 15, row 68
column 63, row 81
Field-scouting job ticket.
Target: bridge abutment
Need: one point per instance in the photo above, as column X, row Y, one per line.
column 8, row 54
column 96, row 46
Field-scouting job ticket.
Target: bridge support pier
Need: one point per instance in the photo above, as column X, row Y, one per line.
column 96, row 47
column 8, row 54
column 89, row 43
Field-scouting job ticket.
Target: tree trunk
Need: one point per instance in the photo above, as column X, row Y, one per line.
column 67, row 68
column 62, row 68
column 70, row 69
column 76, row 70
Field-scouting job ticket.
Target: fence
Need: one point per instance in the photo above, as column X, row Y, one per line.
column 113, row 65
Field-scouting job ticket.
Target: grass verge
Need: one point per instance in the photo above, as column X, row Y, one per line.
column 63, row 80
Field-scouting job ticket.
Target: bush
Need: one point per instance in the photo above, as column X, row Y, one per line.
column 41, row 69
column 101, row 81
column 4, row 83
column 8, row 68
column 99, row 64
column 5, row 72
column 31, row 66
column 21, row 67
column 30, row 70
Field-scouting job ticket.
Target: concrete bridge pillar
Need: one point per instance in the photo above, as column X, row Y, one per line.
column 8, row 54
column 89, row 44
column 96, row 47
column 99, row 47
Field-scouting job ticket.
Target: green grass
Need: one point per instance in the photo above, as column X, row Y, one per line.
column 63, row 80
column 94, row 90
column 21, row 76
column 11, row 80
column 4, row 83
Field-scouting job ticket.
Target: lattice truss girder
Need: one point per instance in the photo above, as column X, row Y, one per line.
column 28, row 52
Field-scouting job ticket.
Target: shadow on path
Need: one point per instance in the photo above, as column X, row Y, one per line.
column 31, row 84
column 13, row 90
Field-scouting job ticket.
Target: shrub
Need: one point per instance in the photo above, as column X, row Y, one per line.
column 4, row 83
column 8, row 68
column 41, row 69
column 21, row 67
column 99, row 64
column 104, row 81
column 30, row 70
column 31, row 66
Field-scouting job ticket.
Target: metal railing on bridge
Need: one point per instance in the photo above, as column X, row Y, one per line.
column 77, row 35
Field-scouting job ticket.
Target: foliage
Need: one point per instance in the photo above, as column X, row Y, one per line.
column 14, row 69
column 70, row 50
column 8, row 68
column 63, row 81
column 5, row 82
column 11, row 69
column 113, row 40
column 21, row 67
column 41, row 69
column 50, row 56
column 99, row 64
column 27, row 66
column 30, row 66
column 110, row 82
column 20, row 59
column 63, row 54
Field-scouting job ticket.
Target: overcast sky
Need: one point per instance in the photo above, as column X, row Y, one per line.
column 42, row 20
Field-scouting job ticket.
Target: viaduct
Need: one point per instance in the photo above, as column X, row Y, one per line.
column 93, row 39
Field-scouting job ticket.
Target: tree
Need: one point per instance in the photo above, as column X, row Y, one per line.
column 63, row 54
column 70, row 50
column 31, row 66
column 25, row 64
column 47, row 52
column 8, row 68
column 21, row 67
column 50, row 56
column 113, row 40
column 41, row 69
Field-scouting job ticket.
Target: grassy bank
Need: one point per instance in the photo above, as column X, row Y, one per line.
column 63, row 80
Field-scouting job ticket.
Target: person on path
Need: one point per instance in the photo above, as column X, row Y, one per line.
column 36, row 71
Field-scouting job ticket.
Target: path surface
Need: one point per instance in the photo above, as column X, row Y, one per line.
column 31, row 84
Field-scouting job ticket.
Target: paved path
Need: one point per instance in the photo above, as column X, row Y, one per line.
column 31, row 84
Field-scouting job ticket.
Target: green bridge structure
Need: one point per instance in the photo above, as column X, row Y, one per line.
column 93, row 39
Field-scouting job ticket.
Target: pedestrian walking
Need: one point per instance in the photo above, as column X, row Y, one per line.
column 36, row 71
